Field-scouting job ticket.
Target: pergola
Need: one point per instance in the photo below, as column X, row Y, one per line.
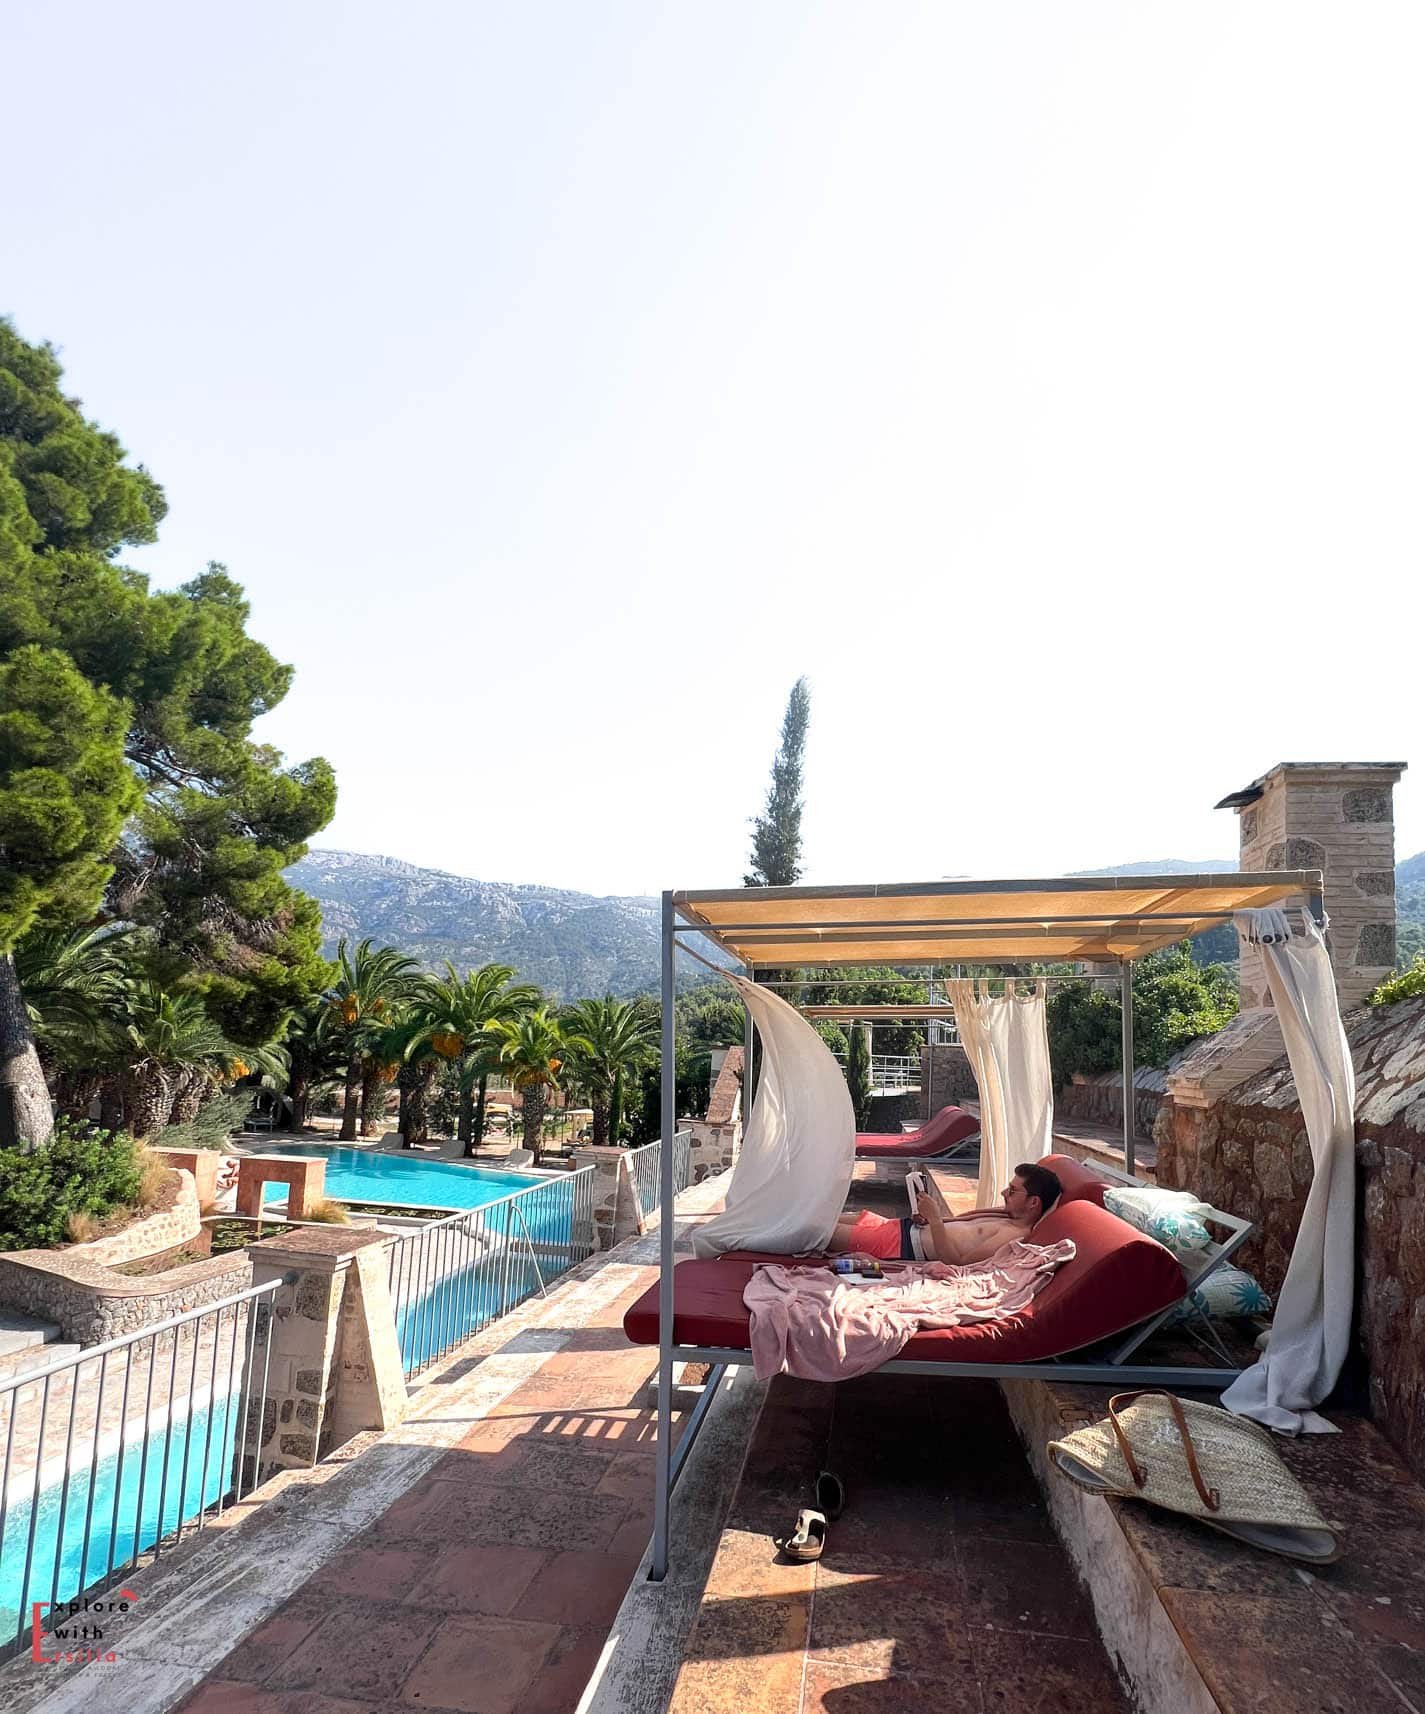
column 1111, row 920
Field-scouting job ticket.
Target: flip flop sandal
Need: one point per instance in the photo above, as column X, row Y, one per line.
column 809, row 1538
column 830, row 1494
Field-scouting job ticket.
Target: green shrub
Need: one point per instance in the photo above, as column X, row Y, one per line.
column 1403, row 987
column 80, row 1170
column 211, row 1125
column 1174, row 1002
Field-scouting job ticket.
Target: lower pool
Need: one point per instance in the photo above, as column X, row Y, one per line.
column 363, row 1175
column 132, row 1497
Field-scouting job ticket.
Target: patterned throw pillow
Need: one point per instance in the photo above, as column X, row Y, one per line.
column 1173, row 1217
column 1227, row 1291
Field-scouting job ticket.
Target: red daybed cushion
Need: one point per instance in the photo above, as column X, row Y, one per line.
column 1117, row 1278
column 950, row 1125
column 1079, row 1181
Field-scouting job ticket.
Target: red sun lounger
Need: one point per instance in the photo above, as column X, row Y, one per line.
column 950, row 1130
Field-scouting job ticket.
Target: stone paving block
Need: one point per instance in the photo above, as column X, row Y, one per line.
column 358, row 1652
column 466, row 1578
column 891, row 1621
column 479, row 1664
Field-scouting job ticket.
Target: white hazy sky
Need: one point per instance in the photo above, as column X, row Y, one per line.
column 1043, row 381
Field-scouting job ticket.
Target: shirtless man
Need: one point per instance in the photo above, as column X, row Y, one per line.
column 930, row 1237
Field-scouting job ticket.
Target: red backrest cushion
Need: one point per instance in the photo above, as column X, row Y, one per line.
column 1117, row 1277
column 948, row 1120
column 1079, row 1182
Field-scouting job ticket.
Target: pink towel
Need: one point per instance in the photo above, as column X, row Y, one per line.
column 809, row 1322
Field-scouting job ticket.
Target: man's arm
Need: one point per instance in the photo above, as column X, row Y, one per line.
column 957, row 1245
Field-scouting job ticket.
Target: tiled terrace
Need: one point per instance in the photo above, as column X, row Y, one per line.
column 489, row 1585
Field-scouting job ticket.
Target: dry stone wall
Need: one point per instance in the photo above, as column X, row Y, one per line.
column 1249, row 1154
column 173, row 1224
column 91, row 1303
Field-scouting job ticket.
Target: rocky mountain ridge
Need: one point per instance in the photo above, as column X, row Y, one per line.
column 570, row 943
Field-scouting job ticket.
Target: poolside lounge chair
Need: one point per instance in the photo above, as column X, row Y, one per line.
column 951, row 1130
column 519, row 1157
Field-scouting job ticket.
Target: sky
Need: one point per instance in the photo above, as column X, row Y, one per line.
column 563, row 380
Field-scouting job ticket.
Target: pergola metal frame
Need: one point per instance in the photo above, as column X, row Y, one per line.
column 808, row 918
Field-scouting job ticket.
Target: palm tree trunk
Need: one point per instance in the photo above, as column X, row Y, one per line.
column 188, row 1096
column 25, row 1116
column 299, row 1099
column 111, row 1104
column 353, row 1099
column 465, row 1130
column 148, row 1099
column 615, row 1107
column 534, row 1100
column 477, row 1123
column 373, row 1097
column 418, row 1106
column 74, row 1092
column 601, row 1121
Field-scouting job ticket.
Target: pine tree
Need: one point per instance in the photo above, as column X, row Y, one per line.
column 126, row 753
column 777, row 833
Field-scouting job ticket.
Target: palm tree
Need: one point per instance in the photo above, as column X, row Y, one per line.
column 609, row 1040
column 313, row 1056
column 460, row 1018
column 167, row 1036
column 360, row 1006
column 532, row 1051
column 73, row 981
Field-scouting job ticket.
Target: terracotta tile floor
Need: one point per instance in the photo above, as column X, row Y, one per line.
column 490, row 1585
column 942, row 1586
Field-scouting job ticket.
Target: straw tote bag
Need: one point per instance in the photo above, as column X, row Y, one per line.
column 1202, row 1462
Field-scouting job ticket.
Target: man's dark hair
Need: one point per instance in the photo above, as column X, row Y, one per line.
column 1041, row 1182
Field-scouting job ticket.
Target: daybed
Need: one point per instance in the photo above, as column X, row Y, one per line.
column 948, row 1132
column 1119, row 1282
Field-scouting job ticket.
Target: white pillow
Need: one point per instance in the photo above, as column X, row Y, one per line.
column 1173, row 1217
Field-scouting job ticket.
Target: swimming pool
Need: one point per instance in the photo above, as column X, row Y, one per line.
column 363, row 1175
column 182, row 1466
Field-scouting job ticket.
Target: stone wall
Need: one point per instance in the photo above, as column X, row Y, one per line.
column 173, row 1222
column 945, row 1080
column 1098, row 1100
column 91, row 1303
column 617, row 1214
column 715, row 1147
column 1248, row 1154
column 887, row 1111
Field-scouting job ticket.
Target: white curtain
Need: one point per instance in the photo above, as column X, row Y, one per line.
column 1312, row 1326
column 1006, row 1039
column 799, row 1146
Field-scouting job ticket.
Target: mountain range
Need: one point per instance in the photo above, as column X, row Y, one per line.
column 570, row 943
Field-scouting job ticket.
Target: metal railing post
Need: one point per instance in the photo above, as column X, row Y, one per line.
column 663, row 1491
column 1130, row 1104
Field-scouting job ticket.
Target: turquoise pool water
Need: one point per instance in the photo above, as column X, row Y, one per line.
column 365, row 1176
column 189, row 1465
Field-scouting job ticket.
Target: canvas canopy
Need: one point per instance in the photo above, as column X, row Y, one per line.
column 1071, row 919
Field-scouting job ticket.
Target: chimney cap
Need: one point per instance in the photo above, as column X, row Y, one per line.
column 1250, row 794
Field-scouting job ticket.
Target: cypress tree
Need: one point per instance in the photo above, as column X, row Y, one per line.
column 777, row 832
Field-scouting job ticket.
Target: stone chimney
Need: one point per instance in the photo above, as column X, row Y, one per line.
column 1338, row 817
column 1334, row 816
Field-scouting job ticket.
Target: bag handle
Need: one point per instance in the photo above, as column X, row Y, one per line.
column 1210, row 1497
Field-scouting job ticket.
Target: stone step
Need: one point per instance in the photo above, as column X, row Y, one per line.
column 16, row 1364
column 27, row 1344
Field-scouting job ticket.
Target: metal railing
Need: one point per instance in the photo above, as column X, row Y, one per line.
column 114, row 1453
column 895, row 1071
column 645, row 1165
column 455, row 1276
